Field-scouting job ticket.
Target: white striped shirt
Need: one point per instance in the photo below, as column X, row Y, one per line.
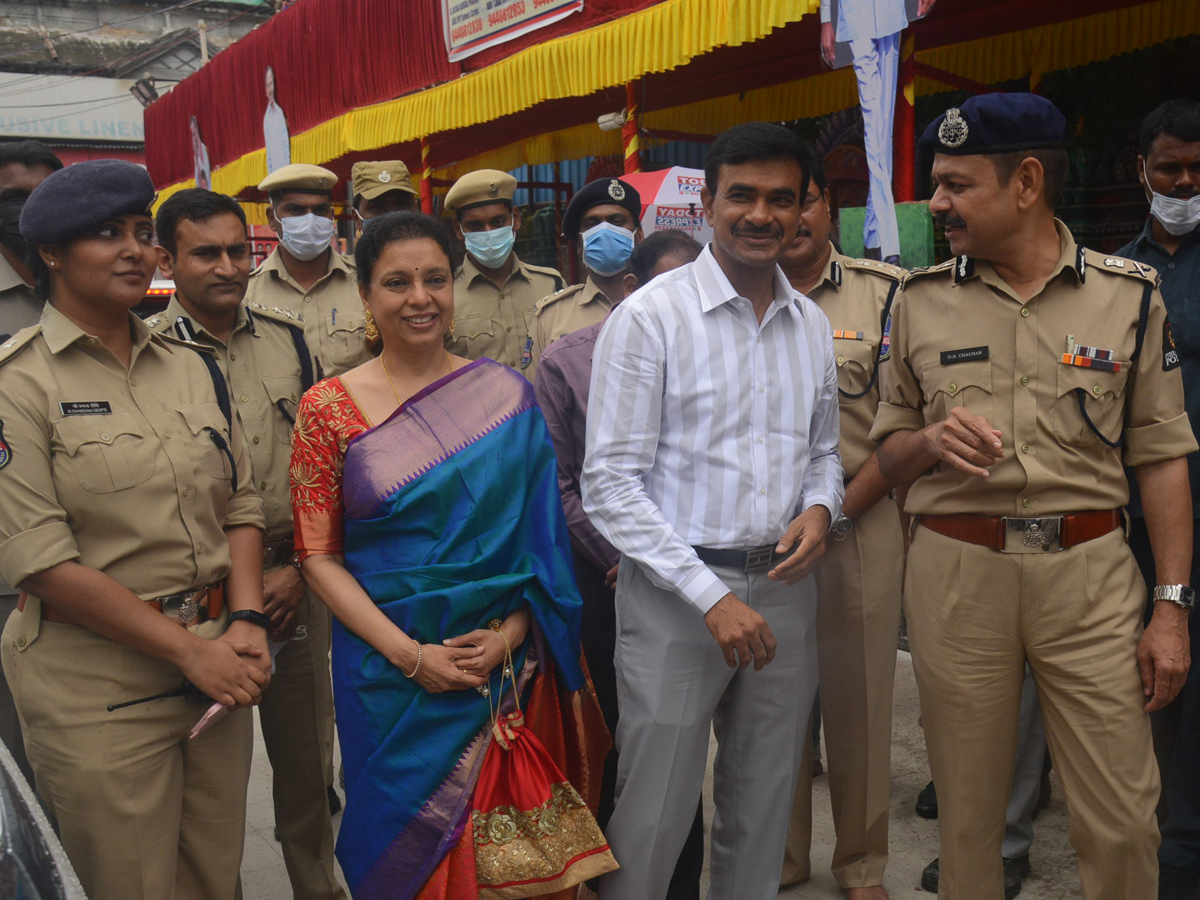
column 706, row 428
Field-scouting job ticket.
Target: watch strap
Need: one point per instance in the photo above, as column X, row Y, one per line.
column 1179, row 594
column 253, row 616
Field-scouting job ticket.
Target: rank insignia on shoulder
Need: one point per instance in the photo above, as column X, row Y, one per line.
column 1114, row 262
column 1171, row 358
column 964, row 268
column 5, row 451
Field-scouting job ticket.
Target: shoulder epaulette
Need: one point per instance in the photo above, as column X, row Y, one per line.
column 278, row 313
column 875, row 267
column 156, row 322
column 555, row 297
column 18, row 342
column 945, row 268
column 1119, row 265
column 546, row 270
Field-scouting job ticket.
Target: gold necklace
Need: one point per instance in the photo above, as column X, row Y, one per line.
column 388, row 375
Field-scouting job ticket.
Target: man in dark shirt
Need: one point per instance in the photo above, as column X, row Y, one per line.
column 1169, row 169
column 561, row 385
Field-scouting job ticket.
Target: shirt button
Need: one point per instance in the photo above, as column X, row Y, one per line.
column 106, row 436
column 245, row 399
column 509, row 328
column 20, row 642
column 841, row 360
column 1096, row 389
column 262, row 485
column 309, row 329
column 762, row 490
column 760, row 440
column 1024, row 381
column 762, row 389
column 1024, row 312
column 1170, row 265
column 255, row 439
column 953, row 387
column 185, row 492
column 306, row 299
column 233, row 357
column 1024, row 448
column 199, row 548
column 1026, row 503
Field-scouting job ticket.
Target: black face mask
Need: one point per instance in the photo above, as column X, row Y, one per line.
column 10, row 230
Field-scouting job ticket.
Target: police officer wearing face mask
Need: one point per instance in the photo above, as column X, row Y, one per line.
column 603, row 219
column 305, row 274
column 1169, row 169
column 23, row 166
column 494, row 291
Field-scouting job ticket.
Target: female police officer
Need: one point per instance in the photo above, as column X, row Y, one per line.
column 123, row 519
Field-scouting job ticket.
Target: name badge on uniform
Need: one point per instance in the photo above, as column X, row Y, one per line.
column 967, row 354
column 843, row 335
column 527, row 353
column 85, row 408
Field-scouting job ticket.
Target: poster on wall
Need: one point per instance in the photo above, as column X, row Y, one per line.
column 275, row 127
column 474, row 25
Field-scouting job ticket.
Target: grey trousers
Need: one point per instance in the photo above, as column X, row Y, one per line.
column 1027, row 773
column 672, row 686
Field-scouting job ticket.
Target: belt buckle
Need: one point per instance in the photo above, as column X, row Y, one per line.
column 1043, row 535
column 185, row 608
column 759, row 557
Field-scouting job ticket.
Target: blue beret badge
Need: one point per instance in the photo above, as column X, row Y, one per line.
column 953, row 131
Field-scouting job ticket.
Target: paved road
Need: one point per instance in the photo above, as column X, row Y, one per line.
column 914, row 840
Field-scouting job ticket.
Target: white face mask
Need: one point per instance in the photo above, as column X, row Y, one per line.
column 1177, row 216
column 308, row 236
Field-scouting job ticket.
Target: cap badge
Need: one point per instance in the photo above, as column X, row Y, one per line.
column 385, row 177
column 493, row 191
column 616, row 190
column 321, row 182
column 953, row 131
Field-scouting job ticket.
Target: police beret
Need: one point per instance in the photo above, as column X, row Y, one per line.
column 478, row 188
column 374, row 178
column 598, row 193
column 299, row 177
column 996, row 123
column 80, row 198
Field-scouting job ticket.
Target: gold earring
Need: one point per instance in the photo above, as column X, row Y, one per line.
column 450, row 330
column 371, row 331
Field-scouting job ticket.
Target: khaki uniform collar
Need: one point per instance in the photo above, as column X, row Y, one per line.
column 60, row 332
column 593, row 294
column 832, row 273
column 471, row 270
column 1071, row 259
column 274, row 264
column 9, row 278
column 175, row 309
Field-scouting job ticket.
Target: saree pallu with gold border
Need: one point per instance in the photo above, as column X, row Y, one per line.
column 452, row 519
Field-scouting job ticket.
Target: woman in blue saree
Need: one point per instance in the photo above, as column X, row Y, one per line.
column 428, row 519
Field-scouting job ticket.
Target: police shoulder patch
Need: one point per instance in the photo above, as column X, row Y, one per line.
column 5, row 450
column 1170, row 352
column 885, row 342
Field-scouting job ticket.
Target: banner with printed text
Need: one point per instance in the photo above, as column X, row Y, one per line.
column 474, row 25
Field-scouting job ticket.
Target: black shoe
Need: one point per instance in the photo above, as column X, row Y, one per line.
column 1176, row 883
column 1015, row 871
column 927, row 802
column 335, row 802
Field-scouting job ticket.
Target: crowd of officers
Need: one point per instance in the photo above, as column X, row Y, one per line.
column 181, row 429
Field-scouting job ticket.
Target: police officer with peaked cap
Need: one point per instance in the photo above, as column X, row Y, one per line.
column 494, row 290
column 129, row 522
column 1024, row 374
column 604, row 219
column 381, row 187
column 305, row 274
column 267, row 366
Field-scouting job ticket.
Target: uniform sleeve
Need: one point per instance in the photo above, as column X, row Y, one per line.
column 900, row 400
column 316, row 476
column 538, row 343
column 34, row 532
column 1156, row 426
column 245, row 505
column 555, row 399
column 823, row 477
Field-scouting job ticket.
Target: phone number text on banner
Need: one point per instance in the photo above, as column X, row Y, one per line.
column 474, row 25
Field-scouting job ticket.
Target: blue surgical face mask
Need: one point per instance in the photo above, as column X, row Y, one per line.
column 606, row 248
column 308, row 236
column 490, row 248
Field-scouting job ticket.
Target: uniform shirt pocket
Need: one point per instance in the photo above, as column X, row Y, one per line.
column 346, row 334
column 474, row 331
column 202, row 420
column 1103, row 399
column 966, row 384
column 284, row 394
column 107, row 453
column 855, row 363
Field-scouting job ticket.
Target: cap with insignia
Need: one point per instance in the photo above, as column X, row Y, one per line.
column 600, row 192
column 374, row 178
column 300, row 177
column 996, row 123
column 77, row 199
column 479, row 188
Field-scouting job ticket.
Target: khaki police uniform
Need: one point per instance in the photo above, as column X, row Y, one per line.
column 117, row 469
column 496, row 321
column 20, row 307
column 334, row 320
column 858, row 599
column 962, row 337
column 263, row 366
column 565, row 312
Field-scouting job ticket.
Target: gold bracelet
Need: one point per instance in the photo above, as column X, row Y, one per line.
column 418, row 668
column 495, row 624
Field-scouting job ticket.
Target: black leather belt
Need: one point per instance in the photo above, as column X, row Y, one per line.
column 278, row 553
column 746, row 560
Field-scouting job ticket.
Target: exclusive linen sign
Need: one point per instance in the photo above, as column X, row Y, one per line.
column 474, row 25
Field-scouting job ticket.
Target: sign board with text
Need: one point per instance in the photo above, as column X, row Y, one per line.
column 474, row 25
column 73, row 108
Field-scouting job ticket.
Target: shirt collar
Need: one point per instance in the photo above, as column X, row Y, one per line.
column 593, row 294
column 175, row 309
column 9, row 278
column 472, row 269
column 832, row 273
column 1070, row 258
column 60, row 332
column 274, row 263
column 715, row 287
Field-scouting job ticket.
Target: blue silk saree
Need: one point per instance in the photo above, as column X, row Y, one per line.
column 452, row 519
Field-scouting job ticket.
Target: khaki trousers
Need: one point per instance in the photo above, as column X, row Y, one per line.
column 975, row 617
column 296, row 713
column 143, row 812
column 858, row 623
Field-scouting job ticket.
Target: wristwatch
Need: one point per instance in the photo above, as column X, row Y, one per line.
column 253, row 616
column 1179, row 594
column 841, row 527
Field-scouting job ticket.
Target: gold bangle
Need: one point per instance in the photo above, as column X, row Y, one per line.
column 418, row 668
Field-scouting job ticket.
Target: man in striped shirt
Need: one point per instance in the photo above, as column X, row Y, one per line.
column 712, row 466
